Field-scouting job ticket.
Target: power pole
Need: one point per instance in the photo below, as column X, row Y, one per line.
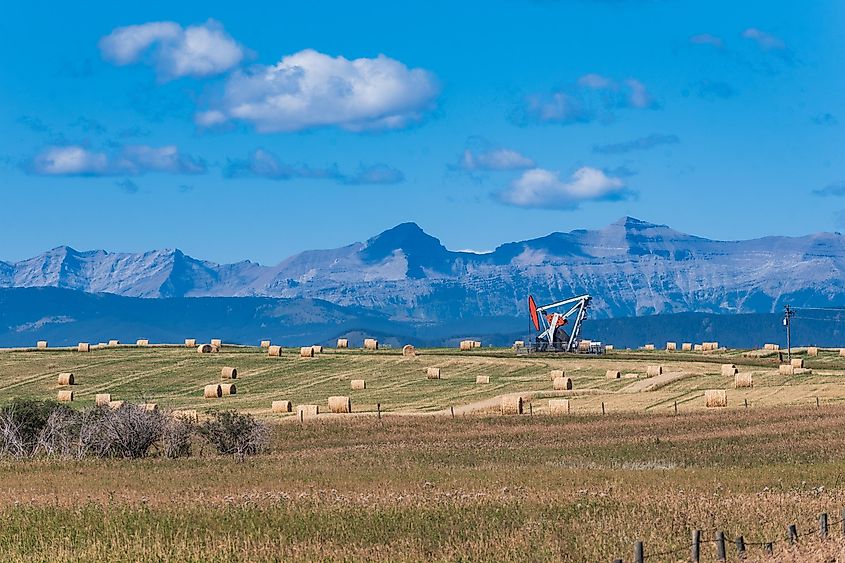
column 787, row 322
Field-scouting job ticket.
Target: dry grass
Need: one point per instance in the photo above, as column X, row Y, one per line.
column 557, row 488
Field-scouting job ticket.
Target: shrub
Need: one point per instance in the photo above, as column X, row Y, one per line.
column 22, row 422
column 233, row 433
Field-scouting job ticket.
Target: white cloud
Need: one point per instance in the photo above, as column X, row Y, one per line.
column 544, row 189
column 707, row 39
column 592, row 97
column 766, row 41
column 494, row 159
column 131, row 160
column 310, row 89
column 174, row 51
column 264, row 164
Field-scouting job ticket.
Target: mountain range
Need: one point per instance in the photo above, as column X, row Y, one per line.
column 631, row 268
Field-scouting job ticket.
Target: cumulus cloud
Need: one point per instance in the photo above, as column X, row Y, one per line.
column 131, row 160
column 642, row 143
column 174, row 51
column 310, row 89
column 836, row 189
column 766, row 41
column 592, row 97
column 542, row 188
column 493, row 159
column 707, row 39
column 264, row 164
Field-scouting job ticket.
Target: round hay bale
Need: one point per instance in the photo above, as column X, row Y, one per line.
column 558, row 406
column 190, row 342
column 142, row 342
column 114, row 343
column 275, row 351
column 358, row 384
column 65, row 396
column 652, row 371
column 797, row 362
column 307, row 411
column 786, row 369
column 229, row 373
column 612, row 374
column 84, row 347
column 408, row 351
column 812, row 351
column 465, row 345
column 370, row 344
column 716, row 398
column 204, row 349
column 149, row 407
column 280, row 406
column 698, row 348
column 102, row 399
column 555, row 373
column 511, row 404
column 562, row 383
column 115, row 405
column 608, row 348
column 743, row 380
column 476, row 344
column 228, row 389
column 518, row 344
column 432, row 373
column 842, row 351
column 686, row 347
column 317, row 349
column 343, row 343
column 729, row 370
column 482, row 379
column 584, row 345
column 217, row 342
column 648, row 347
column 340, row 405
column 41, row 345
column 213, row 391
column 306, row 352
column 671, row 346
column 265, row 344
column 66, row 379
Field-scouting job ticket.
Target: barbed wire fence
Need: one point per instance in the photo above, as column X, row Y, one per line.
column 740, row 544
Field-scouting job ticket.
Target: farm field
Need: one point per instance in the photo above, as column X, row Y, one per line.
column 421, row 484
column 174, row 377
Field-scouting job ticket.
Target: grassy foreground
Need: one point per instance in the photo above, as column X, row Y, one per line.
column 531, row 488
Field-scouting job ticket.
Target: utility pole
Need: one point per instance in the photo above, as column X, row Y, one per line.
column 787, row 322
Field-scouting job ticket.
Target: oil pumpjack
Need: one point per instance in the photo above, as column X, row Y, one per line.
column 549, row 322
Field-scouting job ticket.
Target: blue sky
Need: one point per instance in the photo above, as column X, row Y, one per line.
column 234, row 131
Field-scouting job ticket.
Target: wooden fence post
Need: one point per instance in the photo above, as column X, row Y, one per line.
column 639, row 556
column 695, row 556
column 676, row 407
column 823, row 525
column 721, row 553
column 452, row 408
column 740, row 547
column 793, row 534
column 602, row 407
column 378, row 407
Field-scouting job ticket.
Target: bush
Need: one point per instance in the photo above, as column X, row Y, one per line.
column 22, row 422
column 176, row 440
column 233, row 433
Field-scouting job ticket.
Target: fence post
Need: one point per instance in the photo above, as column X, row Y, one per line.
column 769, row 549
column 721, row 554
column 817, row 402
column 452, row 409
column 602, row 407
column 695, row 556
column 843, row 521
column 793, row 534
column 740, row 547
column 746, row 403
column 531, row 409
column 378, row 407
column 638, row 552
column 676, row 407
column 823, row 525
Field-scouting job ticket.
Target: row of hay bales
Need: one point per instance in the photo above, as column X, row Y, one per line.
column 686, row 347
column 336, row 404
column 470, row 344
